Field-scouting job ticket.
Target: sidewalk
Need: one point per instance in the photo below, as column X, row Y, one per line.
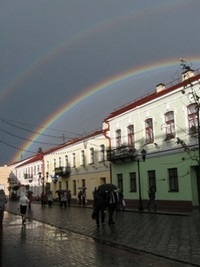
column 172, row 237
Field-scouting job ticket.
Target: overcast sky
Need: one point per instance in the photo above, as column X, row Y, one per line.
column 52, row 52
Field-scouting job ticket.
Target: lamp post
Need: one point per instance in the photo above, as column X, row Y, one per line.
column 140, row 207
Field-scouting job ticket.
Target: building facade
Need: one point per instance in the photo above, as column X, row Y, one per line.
column 155, row 141
column 77, row 164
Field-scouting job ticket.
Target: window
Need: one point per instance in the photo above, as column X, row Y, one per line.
column 92, row 155
column 82, row 158
column 170, row 128
column 60, row 162
column 102, row 153
column 149, row 131
column 66, row 161
column 74, row 187
column 118, row 138
column 54, row 163
column 133, row 185
column 34, row 170
column 66, row 185
column 74, row 160
column 173, row 180
column 83, row 183
column 152, row 178
column 120, row 181
column 130, row 130
column 192, row 118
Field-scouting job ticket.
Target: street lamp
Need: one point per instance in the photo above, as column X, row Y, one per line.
column 143, row 152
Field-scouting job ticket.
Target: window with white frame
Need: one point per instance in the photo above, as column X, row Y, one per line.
column 192, row 118
column 54, row 163
column 102, row 153
column 170, row 127
column 91, row 155
column 149, row 131
column 118, row 138
column 66, row 161
column 82, row 157
column 130, row 130
column 60, row 162
column 74, row 160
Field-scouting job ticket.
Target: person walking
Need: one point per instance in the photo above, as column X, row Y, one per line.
column 121, row 203
column 43, row 199
column 30, row 198
column 99, row 206
column 3, row 201
column 80, row 197
column 63, row 200
column 69, row 196
column 152, row 198
column 23, row 202
column 50, row 199
column 112, row 201
column 84, row 197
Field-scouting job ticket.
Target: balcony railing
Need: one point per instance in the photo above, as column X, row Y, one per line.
column 121, row 154
column 63, row 171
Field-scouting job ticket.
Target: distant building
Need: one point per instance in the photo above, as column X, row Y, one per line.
column 4, row 175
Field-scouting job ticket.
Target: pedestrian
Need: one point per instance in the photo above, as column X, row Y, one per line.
column 63, row 200
column 3, row 201
column 112, row 201
column 99, row 206
column 50, row 198
column 30, row 198
column 84, row 197
column 121, row 202
column 69, row 196
column 152, row 198
column 79, row 197
column 43, row 199
column 23, row 202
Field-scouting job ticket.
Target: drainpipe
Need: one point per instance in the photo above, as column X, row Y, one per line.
column 109, row 142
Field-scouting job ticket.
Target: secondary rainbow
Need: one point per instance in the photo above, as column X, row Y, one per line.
column 115, row 80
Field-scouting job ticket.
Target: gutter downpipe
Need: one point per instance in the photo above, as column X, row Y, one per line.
column 104, row 131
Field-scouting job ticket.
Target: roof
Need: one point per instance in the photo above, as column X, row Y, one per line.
column 150, row 97
column 40, row 156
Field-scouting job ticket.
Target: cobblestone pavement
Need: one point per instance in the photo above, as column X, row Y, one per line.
column 169, row 236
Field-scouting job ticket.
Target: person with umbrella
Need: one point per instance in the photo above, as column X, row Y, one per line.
column 99, row 206
column 111, row 200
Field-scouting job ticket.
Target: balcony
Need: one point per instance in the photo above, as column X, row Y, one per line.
column 63, row 171
column 121, row 154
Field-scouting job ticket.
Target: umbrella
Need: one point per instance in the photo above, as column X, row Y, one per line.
column 29, row 192
column 61, row 191
column 107, row 187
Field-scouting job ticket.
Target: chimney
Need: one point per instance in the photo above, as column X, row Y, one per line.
column 187, row 74
column 160, row 87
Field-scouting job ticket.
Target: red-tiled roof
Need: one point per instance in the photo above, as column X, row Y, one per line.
column 150, row 97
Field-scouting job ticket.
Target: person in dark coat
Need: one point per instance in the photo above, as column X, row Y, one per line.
column 112, row 202
column 152, row 198
column 99, row 206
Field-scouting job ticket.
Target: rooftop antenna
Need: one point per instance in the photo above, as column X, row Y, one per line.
column 184, row 65
column 63, row 137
